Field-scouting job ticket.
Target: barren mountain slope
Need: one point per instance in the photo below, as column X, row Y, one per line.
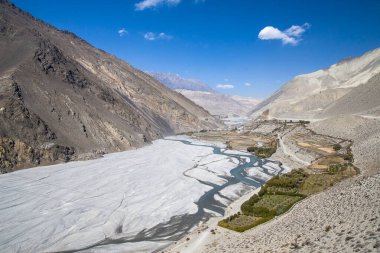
column 61, row 98
column 307, row 96
column 365, row 97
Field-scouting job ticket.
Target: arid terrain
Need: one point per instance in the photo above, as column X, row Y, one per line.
column 346, row 88
column 97, row 155
column 62, row 99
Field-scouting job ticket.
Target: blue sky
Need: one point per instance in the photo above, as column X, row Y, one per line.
column 217, row 41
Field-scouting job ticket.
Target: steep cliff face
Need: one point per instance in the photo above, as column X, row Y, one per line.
column 317, row 95
column 61, row 98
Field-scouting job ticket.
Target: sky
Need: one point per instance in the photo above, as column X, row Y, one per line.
column 247, row 47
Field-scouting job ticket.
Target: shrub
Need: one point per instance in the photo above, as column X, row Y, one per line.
column 287, row 182
column 264, row 212
column 262, row 152
column 334, row 168
column 348, row 157
column 265, row 152
column 232, row 217
column 247, row 208
column 251, row 149
column 263, row 190
column 254, row 199
column 225, row 224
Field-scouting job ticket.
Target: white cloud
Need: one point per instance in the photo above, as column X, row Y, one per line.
column 225, row 86
column 159, row 36
column 147, row 4
column 291, row 35
column 296, row 30
column 248, row 84
column 122, row 32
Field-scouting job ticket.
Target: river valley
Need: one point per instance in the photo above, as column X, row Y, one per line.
column 140, row 200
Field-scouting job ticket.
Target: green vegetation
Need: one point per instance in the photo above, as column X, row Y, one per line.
column 262, row 152
column 277, row 204
column 349, row 156
column 304, row 122
column 319, row 182
column 280, row 193
column 242, row 223
column 335, row 168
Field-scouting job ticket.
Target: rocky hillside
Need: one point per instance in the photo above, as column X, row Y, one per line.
column 349, row 87
column 199, row 92
column 62, row 99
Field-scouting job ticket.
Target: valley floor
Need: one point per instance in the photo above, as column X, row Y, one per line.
column 145, row 199
column 344, row 218
column 133, row 201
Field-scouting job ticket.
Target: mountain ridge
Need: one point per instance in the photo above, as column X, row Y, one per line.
column 308, row 95
column 176, row 82
column 60, row 94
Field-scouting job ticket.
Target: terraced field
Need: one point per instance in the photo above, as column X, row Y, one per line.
column 280, row 193
column 278, row 203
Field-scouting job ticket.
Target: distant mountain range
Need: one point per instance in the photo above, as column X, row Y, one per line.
column 351, row 86
column 61, row 98
column 199, row 92
column 176, row 82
